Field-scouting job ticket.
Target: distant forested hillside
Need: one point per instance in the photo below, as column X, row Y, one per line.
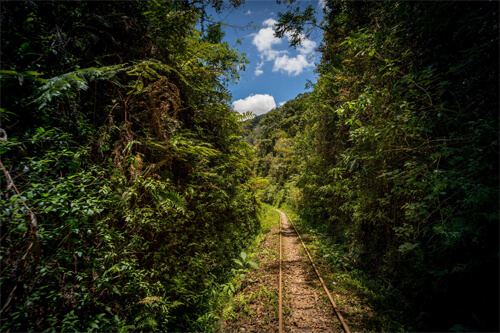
column 252, row 129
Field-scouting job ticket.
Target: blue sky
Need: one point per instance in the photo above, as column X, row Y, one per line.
column 277, row 72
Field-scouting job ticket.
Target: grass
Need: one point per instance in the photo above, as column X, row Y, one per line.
column 230, row 306
column 268, row 217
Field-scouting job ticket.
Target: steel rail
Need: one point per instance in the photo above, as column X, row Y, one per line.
column 336, row 310
column 280, row 309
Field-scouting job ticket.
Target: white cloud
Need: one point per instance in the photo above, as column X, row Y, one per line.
column 258, row 104
column 265, row 42
column 321, row 3
column 306, row 46
column 270, row 22
column 282, row 103
column 248, row 12
column 258, row 69
column 292, row 66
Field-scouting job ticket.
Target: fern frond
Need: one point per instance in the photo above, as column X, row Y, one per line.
column 73, row 82
column 245, row 116
column 171, row 199
column 150, row 69
column 184, row 146
column 164, row 198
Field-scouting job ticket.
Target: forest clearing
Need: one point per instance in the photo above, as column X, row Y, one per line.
column 148, row 173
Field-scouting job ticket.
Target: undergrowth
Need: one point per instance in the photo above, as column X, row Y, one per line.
column 228, row 302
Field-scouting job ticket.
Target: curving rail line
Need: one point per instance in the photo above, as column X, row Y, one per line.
column 280, row 311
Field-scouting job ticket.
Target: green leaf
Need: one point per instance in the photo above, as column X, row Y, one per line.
column 406, row 247
column 32, row 73
column 4, row 73
column 253, row 264
column 238, row 262
column 243, row 255
column 116, row 291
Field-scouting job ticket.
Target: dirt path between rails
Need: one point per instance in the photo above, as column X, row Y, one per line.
column 305, row 305
column 309, row 309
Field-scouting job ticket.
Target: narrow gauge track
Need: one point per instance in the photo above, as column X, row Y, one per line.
column 283, row 218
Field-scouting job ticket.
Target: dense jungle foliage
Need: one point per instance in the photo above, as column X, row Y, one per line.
column 395, row 154
column 126, row 188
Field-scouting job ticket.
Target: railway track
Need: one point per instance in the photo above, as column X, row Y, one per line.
column 303, row 317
